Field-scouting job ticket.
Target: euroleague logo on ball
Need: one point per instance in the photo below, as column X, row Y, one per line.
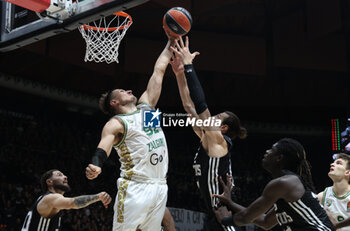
column 173, row 27
column 177, row 21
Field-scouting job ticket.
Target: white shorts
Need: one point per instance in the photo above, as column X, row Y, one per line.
column 139, row 206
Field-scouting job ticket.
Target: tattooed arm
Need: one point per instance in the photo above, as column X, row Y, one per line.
column 85, row 200
column 55, row 201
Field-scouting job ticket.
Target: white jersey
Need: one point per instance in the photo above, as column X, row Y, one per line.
column 337, row 207
column 143, row 152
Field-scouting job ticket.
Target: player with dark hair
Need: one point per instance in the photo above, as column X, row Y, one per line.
column 287, row 200
column 45, row 214
column 336, row 199
column 213, row 158
column 143, row 153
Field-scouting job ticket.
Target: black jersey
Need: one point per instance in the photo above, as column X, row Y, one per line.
column 207, row 171
column 35, row 222
column 306, row 214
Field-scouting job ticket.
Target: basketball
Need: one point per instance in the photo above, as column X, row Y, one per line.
column 177, row 21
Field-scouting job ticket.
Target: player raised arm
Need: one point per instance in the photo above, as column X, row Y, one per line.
column 111, row 134
column 154, row 87
column 187, row 103
column 178, row 69
column 182, row 52
column 214, row 140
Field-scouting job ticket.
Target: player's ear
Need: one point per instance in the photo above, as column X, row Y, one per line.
column 224, row 128
column 49, row 182
column 347, row 173
column 114, row 102
column 279, row 158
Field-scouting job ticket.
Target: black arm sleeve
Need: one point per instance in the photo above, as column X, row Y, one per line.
column 196, row 91
column 99, row 157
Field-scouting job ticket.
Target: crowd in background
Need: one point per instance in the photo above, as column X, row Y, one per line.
column 31, row 144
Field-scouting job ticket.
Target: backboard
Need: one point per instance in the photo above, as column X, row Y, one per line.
column 20, row 26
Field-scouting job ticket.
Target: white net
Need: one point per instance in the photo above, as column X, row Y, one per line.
column 102, row 40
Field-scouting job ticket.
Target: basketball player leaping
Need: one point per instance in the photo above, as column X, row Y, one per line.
column 45, row 214
column 142, row 189
column 213, row 158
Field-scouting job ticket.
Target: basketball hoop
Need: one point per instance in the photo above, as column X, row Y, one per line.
column 104, row 36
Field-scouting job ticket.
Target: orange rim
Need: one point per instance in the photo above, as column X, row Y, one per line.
column 120, row 13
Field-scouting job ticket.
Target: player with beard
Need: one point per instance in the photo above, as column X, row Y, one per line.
column 45, row 214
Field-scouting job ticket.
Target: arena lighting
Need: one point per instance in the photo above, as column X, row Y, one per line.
column 335, row 135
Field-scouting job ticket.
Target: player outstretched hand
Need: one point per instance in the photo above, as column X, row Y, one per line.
column 176, row 65
column 225, row 197
column 183, row 51
column 92, row 171
column 105, row 198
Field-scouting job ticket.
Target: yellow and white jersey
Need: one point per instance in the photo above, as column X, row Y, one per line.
column 143, row 152
column 337, row 207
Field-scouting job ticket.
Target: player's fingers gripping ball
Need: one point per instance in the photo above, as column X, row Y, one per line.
column 177, row 21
